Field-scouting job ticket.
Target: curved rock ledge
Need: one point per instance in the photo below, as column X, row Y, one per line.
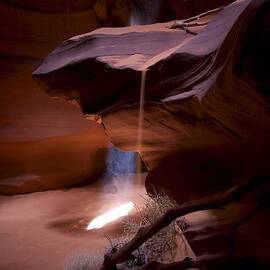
column 206, row 122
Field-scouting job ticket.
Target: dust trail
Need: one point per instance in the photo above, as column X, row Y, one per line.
column 140, row 123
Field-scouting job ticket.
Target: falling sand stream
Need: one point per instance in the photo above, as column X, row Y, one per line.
column 140, row 123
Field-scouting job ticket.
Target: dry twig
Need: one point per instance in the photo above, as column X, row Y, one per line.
column 185, row 24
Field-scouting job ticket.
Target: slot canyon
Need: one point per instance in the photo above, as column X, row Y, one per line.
column 134, row 134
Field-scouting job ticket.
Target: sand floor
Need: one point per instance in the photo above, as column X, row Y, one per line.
column 39, row 230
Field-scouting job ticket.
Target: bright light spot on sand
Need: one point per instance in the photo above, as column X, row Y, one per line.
column 110, row 216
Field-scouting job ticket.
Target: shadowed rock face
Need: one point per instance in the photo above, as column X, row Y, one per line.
column 44, row 143
column 32, row 28
column 54, row 6
column 206, row 122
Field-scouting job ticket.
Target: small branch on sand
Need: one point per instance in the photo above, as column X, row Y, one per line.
column 216, row 201
column 185, row 24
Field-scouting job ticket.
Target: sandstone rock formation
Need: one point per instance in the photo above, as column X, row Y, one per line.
column 44, row 143
column 33, row 28
column 201, row 128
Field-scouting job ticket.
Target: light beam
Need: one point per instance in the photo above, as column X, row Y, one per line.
column 110, row 216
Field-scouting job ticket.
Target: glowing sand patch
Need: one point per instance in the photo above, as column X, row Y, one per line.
column 110, row 216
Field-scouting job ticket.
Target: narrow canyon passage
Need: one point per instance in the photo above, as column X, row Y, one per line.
column 132, row 113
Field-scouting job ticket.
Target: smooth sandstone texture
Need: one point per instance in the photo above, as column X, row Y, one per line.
column 44, row 143
column 31, row 26
column 34, row 28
